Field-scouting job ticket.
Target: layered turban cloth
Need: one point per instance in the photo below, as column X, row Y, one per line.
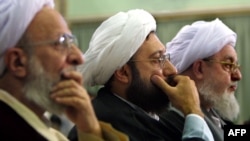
column 113, row 43
column 199, row 40
column 15, row 17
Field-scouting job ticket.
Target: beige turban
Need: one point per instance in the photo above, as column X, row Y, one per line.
column 113, row 43
column 15, row 16
column 197, row 41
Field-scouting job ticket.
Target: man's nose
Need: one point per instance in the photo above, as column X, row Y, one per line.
column 169, row 69
column 75, row 56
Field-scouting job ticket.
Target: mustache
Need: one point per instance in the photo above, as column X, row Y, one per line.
column 234, row 84
column 170, row 80
column 68, row 69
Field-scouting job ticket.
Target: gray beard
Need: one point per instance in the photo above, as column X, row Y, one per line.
column 225, row 104
column 37, row 88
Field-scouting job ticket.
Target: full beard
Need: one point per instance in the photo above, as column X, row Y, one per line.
column 38, row 87
column 224, row 103
column 146, row 96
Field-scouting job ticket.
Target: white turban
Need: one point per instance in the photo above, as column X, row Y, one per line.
column 200, row 40
column 15, row 16
column 113, row 43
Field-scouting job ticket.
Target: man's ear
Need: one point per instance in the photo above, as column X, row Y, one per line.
column 123, row 74
column 16, row 61
column 198, row 69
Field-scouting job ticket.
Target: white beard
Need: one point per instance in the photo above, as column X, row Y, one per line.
column 38, row 86
column 225, row 104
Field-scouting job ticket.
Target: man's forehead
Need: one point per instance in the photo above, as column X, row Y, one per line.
column 227, row 52
column 152, row 45
column 48, row 24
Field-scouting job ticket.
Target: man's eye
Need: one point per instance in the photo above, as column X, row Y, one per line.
column 155, row 60
column 56, row 43
column 229, row 66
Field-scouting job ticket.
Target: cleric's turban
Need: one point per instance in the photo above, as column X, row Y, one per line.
column 199, row 40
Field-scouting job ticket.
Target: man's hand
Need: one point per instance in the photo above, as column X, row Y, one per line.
column 70, row 93
column 183, row 95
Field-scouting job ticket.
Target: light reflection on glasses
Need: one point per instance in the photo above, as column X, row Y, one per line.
column 64, row 40
column 161, row 60
column 230, row 67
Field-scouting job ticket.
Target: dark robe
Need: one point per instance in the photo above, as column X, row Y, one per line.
column 133, row 121
column 15, row 128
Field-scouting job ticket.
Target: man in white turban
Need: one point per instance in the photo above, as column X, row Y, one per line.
column 14, row 21
column 126, row 56
column 205, row 52
column 38, row 55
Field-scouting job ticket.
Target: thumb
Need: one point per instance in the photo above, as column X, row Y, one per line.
column 162, row 84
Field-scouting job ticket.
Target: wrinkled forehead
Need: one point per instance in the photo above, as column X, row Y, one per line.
column 227, row 52
column 151, row 45
column 47, row 24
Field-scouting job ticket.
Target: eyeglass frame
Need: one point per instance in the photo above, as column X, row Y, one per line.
column 232, row 66
column 162, row 60
column 65, row 40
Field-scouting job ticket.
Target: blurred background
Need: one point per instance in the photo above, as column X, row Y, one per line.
column 84, row 17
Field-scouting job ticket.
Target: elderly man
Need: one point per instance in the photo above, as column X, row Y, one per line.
column 38, row 55
column 126, row 56
column 205, row 52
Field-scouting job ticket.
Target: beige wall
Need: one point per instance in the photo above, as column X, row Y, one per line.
column 61, row 6
column 94, row 8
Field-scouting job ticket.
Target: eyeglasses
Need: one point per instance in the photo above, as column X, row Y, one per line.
column 161, row 61
column 64, row 40
column 230, row 67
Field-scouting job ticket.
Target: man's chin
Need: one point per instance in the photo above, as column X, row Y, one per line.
column 228, row 107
